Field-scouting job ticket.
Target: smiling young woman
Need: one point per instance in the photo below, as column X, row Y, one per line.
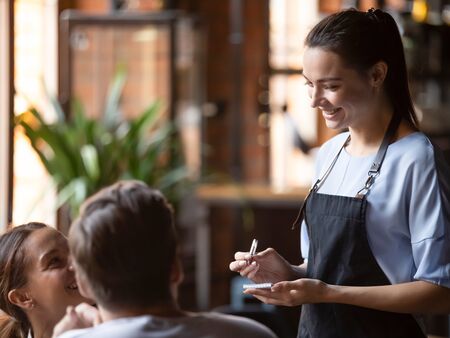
column 37, row 281
column 376, row 225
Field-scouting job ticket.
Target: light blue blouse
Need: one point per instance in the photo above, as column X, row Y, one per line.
column 407, row 219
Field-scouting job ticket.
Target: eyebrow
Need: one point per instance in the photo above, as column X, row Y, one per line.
column 326, row 79
column 60, row 247
column 46, row 255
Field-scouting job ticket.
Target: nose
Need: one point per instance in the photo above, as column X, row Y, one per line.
column 316, row 97
column 70, row 264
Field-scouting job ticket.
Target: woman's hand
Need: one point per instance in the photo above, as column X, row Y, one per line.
column 294, row 293
column 265, row 267
column 89, row 314
column 411, row 297
column 79, row 317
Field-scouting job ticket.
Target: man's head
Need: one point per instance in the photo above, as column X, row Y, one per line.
column 124, row 246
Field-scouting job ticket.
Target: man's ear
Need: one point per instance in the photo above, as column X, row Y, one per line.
column 21, row 299
column 177, row 275
column 378, row 73
column 83, row 284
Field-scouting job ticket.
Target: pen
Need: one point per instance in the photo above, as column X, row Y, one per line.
column 253, row 247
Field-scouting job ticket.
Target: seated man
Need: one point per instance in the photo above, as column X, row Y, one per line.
column 124, row 248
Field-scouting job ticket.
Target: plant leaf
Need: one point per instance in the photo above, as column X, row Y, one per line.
column 90, row 161
column 112, row 113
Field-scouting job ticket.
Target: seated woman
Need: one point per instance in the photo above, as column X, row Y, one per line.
column 37, row 281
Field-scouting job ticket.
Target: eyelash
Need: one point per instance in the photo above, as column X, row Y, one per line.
column 332, row 88
column 55, row 262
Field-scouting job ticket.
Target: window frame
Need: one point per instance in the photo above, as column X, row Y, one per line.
column 6, row 110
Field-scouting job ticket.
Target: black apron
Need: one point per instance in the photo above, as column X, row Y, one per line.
column 339, row 254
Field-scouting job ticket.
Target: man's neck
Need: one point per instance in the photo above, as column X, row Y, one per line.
column 169, row 309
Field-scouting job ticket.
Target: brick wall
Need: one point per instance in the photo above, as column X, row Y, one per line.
column 220, row 81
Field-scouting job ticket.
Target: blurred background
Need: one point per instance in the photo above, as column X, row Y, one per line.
column 227, row 76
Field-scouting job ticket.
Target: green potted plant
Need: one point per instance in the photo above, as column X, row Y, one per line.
column 84, row 154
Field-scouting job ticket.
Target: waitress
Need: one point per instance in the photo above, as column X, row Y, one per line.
column 375, row 228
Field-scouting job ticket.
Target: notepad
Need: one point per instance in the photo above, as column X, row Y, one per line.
column 257, row 286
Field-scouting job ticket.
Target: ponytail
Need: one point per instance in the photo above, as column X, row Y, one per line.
column 397, row 77
column 11, row 328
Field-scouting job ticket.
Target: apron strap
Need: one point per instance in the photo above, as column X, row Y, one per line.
column 320, row 181
column 374, row 170
column 316, row 186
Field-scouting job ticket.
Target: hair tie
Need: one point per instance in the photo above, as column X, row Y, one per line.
column 375, row 14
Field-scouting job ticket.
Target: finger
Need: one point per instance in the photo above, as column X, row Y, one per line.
column 98, row 319
column 281, row 286
column 264, row 253
column 240, row 255
column 259, row 256
column 252, row 274
column 71, row 315
column 87, row 313
column 270, row 300
column 234, row 266
column 248, row 269
column 262, row 299
column 258, row 292
column 243, row 256
column 238, row 265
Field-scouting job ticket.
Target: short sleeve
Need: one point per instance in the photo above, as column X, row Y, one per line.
column 428, row 218
column 304, row 241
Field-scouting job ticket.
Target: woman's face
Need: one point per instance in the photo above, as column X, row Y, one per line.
column 344, row 96
column 50, row 277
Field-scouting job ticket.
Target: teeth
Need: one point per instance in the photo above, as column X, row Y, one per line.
column 331, row 112
column 73, row 286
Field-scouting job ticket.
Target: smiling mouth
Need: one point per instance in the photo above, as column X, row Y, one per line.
column 330, row 112
column 73, row 286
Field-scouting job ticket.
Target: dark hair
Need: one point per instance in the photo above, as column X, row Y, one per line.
column 362, row 39
column 124, row 243
column 12, row 276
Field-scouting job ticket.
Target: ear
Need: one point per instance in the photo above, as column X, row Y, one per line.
column 83, row 284
column 377, row 74
column 177, row 275
column 21, row 299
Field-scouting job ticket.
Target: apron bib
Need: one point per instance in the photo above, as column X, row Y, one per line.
column 339, row 254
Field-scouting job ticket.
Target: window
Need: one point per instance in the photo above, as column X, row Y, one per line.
column 291, row 114
column 35, row 61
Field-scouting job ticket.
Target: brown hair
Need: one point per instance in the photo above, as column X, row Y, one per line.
column 124, row 243
column 15, row 323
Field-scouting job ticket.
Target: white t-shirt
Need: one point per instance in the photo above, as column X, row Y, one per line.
column 199, row 325
column 407, row 218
